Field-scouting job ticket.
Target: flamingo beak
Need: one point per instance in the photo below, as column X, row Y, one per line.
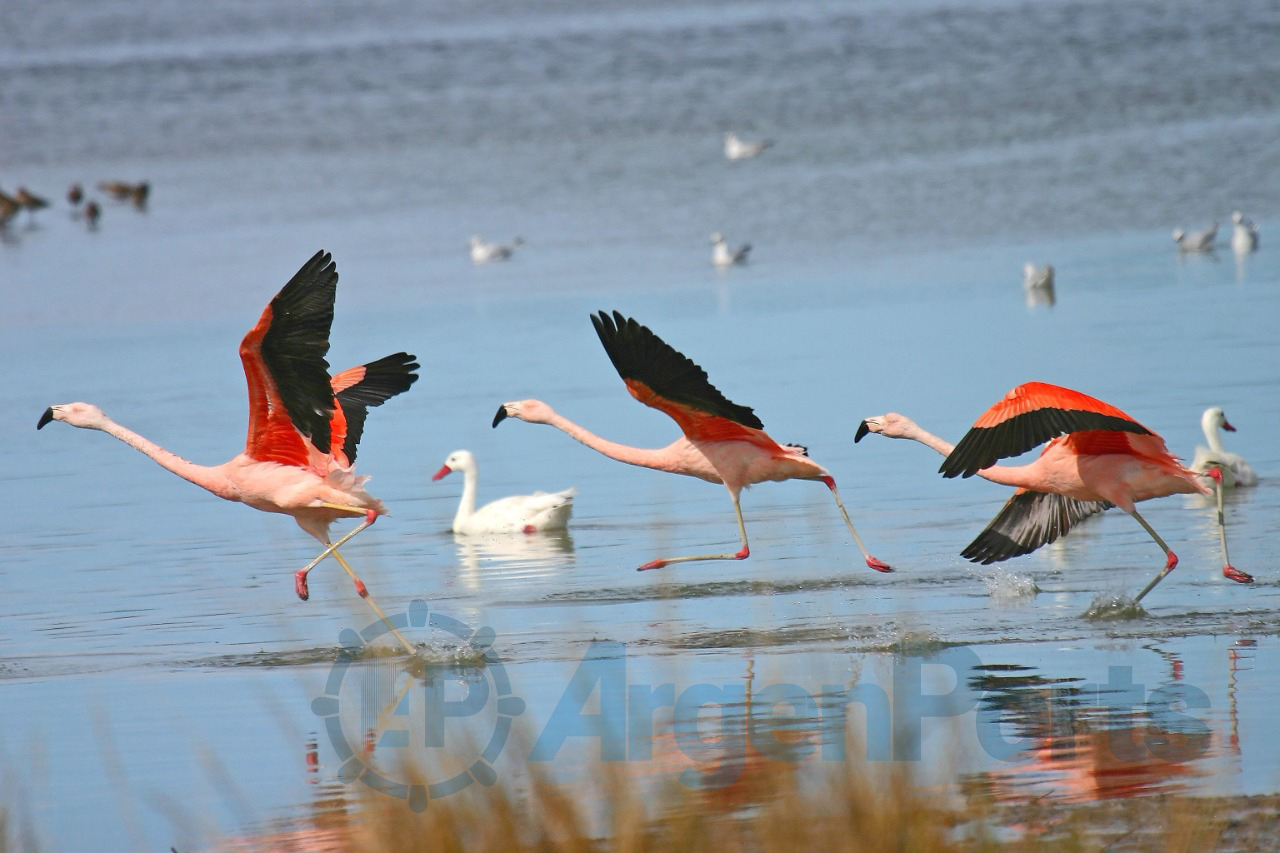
column 45, row 418
column 444, row 470
column 1227, row 426
column 863, row 430
column 501, row 416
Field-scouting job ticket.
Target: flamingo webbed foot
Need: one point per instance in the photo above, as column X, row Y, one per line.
column 656, row 564
column 1232, row 573
column 743, row 554
column 873, row 563
column 300, row 584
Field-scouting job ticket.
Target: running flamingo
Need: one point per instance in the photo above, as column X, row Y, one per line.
column 1098, row 457
column 303, row 425
column 723, row 442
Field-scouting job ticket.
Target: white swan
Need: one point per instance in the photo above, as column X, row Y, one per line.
column 482, row 252
column 1196, row 241
column 1244, row 234
column 1235, row 471
column 519, row 514
column 738, row 149
column 1037, row 281
column 723, row 256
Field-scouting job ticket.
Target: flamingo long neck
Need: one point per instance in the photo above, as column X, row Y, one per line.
column 204, row 476
column 1211, row 434
column 467, row 506
column 1017, row 476
column 658, row 460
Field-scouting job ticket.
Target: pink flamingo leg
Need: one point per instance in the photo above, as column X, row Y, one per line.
column 741, row 555
column 1171, row 559
column 1229, row 571
column 872, row 562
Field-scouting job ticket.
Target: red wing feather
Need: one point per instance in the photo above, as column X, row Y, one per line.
column 1030, row 415
column 290, row 398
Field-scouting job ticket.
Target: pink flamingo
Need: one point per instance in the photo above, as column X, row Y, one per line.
column 1098, row 457
column 303, row 425
column 723, row 442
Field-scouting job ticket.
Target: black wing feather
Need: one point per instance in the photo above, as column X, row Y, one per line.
column 383, row 379
column 1027, row 521
column 982, row 447
column 296, row 343
column 640, row 355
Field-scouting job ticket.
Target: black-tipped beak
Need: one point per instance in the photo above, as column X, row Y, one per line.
column 863, row 429
column 498, row 418
column 45, row 418
column 1228, row 427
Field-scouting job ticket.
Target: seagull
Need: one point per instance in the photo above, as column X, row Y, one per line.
column 1196, row 241
column 1244, row 234
column 722, row 256
column 737, row 149
column 482, row 252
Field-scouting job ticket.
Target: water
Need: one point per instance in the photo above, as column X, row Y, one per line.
column 151, row 642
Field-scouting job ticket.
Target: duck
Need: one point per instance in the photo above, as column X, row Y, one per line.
column 1196, row 241
column 1235, row 471
column 482, row 252
column 1244, row 234
column 723, row 256
column 533, row 513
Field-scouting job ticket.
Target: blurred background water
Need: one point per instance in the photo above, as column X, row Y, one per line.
column 150, row 641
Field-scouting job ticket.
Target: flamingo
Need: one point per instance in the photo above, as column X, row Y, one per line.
column 722, row 256
column 304, row 425
column 1244, row 234
column 722, row 443
column 483, row 253
column 738, row 149
column 516, row 514
column 1196, row 241
column 1097, row 457
column 1235, row 471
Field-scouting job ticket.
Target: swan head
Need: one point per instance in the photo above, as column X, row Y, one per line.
column 476, row 241
column 1215, row 418
column 717, row 238
column 1237, row 217
column 458, row 460
column 1178, row 234
column 82, row 415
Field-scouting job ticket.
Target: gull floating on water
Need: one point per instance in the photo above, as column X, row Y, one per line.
column 1196, row 241
column 1244, row 234
column 482, row 252
column 1235, row 471
column 723, row 256
column 737, row 149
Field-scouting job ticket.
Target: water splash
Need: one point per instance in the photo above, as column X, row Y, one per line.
column 1110, row 607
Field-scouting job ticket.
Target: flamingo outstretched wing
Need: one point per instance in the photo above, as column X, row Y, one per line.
column 1030, row 415
column 659, row 376
column 360, row 388
column 291, row 401
column 1027, row 521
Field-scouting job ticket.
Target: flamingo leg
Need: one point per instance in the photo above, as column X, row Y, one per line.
column 1228, row 571
column 368, row 599
column 1171, row 559
column 300, row 576
column 872, row 562
column 741, row 555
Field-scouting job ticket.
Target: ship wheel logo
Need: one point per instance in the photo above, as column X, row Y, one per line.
column 403, row 707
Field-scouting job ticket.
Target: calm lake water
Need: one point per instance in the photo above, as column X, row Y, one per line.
column 158, row 677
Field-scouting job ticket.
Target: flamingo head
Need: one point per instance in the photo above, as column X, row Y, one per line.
column 458, row 460
column 529, row 411
column 892, row 425
column 82, row 415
